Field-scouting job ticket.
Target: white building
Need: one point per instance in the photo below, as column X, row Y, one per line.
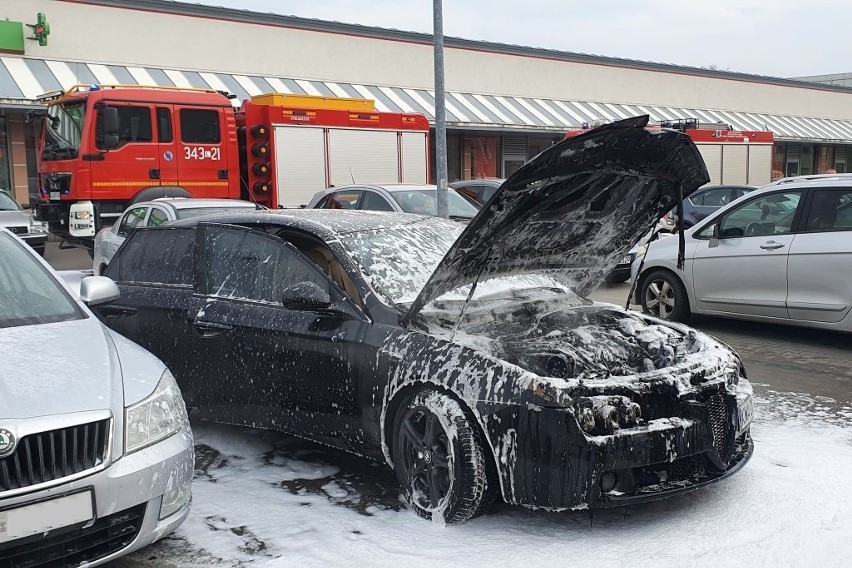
column 505, row 103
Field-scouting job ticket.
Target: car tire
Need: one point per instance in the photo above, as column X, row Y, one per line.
column 664, row 296
column 440, row 460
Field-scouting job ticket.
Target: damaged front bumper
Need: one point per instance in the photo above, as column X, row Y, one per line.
column 708, row 442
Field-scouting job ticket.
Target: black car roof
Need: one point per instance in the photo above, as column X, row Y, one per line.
column 325, row 223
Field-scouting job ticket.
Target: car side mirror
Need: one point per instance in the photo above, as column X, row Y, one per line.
column 305, row 296
column 714, row 236
column 96, row 290
column 26, row 206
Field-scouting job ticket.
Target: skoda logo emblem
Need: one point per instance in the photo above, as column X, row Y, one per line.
column 7, row 442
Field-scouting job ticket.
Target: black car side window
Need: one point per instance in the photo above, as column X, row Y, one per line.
column 252, row 265
column 157, row 256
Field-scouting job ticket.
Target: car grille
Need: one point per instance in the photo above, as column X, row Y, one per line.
column 19, row 230
column 47, row 456
column 68, row 547
column 718, row 418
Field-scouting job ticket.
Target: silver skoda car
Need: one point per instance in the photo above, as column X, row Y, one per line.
column 96, row 454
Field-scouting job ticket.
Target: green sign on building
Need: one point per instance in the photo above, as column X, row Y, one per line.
column 11, row 37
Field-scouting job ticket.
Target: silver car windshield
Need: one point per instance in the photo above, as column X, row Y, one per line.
column 30, row 295
column 7, row 203
column 398, row 262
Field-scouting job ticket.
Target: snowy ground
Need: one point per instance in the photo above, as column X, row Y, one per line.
column 267, row 500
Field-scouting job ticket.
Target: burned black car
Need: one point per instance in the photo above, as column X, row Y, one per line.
column 465, row 357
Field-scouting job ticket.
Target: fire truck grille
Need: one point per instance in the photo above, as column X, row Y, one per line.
column 46, row 456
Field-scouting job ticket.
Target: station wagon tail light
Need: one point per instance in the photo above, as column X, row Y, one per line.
column 155, row 418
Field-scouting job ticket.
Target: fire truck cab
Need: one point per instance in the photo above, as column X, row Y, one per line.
column 102, row 148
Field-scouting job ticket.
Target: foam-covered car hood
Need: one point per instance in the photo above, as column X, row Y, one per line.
column 574, row 210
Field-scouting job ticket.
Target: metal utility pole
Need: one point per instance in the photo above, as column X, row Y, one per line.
column 440, row 115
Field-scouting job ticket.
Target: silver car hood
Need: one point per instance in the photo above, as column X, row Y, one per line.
column 14, row 218
column 73, row 366
column 574, row 210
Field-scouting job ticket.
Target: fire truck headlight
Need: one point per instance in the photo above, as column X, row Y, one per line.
column 82, row 215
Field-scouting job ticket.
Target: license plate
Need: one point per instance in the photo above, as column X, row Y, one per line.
column 44, row 516
column 745, row 411
column 54, row 196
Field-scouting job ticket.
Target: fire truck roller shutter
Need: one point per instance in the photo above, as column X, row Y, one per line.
column 759, row 164
column 300, row 168
column 363, row 156
column 156, row 192
column 414, row 151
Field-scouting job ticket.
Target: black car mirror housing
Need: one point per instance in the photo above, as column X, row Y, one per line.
column 305, row 296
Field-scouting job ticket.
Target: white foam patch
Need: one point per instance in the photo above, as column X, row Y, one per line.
column 790, row 506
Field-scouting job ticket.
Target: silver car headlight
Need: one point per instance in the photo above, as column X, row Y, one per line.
column 157, row 417
column 37, row 226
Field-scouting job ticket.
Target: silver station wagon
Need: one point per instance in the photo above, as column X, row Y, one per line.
column 96, row 454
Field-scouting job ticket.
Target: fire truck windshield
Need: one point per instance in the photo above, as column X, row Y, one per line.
column 62, row 128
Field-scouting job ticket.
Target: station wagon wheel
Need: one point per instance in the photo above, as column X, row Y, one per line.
column 663, row 295
column 439, row 459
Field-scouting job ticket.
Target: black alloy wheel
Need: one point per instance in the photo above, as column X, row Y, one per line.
column 439, row 459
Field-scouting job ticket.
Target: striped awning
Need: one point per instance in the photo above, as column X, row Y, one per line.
column 23, row 79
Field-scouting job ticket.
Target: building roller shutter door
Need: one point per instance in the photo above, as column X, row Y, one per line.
column 299, row 164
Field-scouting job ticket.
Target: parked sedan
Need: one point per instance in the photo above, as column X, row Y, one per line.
column 21, row 223
column 779, row 254
column 710, row 198
column 478, row 190
column 155, row 213
column 466, row 357
column 416, row 199
column 96, row 455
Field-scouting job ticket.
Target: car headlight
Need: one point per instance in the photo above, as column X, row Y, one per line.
column 37, row 226
column 157, row 417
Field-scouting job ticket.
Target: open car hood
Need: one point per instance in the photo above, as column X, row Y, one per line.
column 574, row 210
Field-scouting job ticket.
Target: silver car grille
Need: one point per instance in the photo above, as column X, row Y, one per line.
column 19, row 230
column 48, row 456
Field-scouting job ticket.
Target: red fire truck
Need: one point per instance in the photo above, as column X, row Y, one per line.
column 732, row 157
column 103, row 147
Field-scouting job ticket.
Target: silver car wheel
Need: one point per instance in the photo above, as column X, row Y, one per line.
column 660, row 298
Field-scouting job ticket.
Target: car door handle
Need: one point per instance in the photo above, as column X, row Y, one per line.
column 116, row 312
column 771, row 245
column 210, row 329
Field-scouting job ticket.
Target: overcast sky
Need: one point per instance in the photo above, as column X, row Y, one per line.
column 782, row 38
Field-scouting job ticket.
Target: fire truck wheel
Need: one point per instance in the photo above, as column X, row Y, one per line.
column 150, row 193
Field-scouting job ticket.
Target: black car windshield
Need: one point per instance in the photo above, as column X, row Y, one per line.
column 398, row 262
column 425, row 202
column 7, row 203
column 30, row 295
column 63, row 127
